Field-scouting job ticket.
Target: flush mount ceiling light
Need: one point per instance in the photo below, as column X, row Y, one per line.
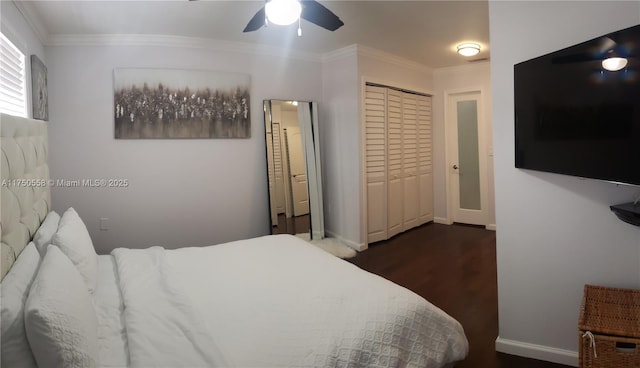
column 613, row 64
column 468, row 49
column 283, row 12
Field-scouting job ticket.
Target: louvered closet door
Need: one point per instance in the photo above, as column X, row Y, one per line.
column 278, row 169
column 271, row 176
column 395, row 201
column 376, row 142
column 425, row 168
column 410, row 161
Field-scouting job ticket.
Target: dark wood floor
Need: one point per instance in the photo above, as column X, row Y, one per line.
column 454, row 267
column 292, row 225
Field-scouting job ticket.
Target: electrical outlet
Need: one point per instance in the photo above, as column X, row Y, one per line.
column 104, row 224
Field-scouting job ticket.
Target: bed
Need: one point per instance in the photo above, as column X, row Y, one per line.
column 263, row 302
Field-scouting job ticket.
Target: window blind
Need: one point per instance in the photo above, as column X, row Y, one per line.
column 13, row 95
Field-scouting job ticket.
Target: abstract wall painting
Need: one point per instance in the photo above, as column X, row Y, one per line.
column 173, row 103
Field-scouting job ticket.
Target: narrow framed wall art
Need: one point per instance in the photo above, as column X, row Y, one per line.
column 39, row 94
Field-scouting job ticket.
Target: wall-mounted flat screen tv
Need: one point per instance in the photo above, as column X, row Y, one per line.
column 577, row 110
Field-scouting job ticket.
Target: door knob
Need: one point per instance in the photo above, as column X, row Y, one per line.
column 455, row 167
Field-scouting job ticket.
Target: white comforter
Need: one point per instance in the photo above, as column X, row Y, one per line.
column 274, row 301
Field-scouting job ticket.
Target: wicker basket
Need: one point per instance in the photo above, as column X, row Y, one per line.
column 609, row 352
column 612, row 316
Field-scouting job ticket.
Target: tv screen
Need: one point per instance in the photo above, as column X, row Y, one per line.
column 577, row 115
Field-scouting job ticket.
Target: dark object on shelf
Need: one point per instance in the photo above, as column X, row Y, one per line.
column 627, row 212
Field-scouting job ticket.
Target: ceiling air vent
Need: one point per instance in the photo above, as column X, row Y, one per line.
column 479, row 59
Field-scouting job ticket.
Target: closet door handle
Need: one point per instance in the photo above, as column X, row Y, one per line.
column 455, row 167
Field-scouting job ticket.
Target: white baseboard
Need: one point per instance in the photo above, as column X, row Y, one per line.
column 442, row 220
column 351, row 244
column 540, row 352
column 446, row 221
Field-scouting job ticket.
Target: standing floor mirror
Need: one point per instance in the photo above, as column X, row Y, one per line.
column 293, row 165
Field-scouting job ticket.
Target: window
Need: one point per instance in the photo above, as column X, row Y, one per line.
column 13, row 91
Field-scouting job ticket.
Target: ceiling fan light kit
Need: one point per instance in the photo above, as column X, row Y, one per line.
column 283, row 12
column 613, row 64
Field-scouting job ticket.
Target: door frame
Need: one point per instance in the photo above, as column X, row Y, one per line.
column 451, row 144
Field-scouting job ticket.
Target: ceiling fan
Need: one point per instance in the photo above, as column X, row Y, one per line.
column 610, row 50
column 285, row 12
column 310, row 10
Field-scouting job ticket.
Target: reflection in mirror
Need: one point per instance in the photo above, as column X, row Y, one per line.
column 293, row 164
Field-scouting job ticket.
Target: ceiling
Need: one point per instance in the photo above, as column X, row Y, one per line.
column 425, row 32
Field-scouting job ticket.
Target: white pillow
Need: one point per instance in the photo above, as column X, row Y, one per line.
column 15, row 289
column 45, row 232
column 60, row 320
column 73, row 239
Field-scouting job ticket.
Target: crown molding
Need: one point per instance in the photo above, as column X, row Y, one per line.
column 342, row 53
column 386, row 57
column 456, row 69
column 372, row 53
column 179, row 41
column 31, row 16
column 33, row 19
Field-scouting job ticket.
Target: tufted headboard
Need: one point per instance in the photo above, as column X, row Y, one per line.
column 26, row 198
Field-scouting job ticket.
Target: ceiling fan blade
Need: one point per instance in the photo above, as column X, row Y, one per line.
column 256, row 22
column 606, row 44
column 592, row 51
column 575, row 58
column 319, row 15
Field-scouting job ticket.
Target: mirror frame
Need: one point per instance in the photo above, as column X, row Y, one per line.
column 308, row 123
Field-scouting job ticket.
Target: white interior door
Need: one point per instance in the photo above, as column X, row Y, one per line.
column 376, row 172
column 425, row 171
column 297, row 168
column 308, row 122
column 410, row 161
column 467, row 163
column 395, row 198
column 397, row 148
